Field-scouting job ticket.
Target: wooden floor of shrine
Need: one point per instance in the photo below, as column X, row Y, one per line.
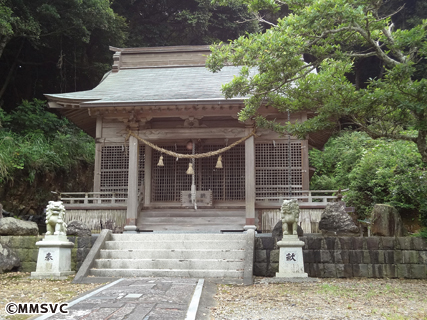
column 191, row 220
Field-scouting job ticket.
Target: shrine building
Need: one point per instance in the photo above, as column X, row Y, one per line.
column 171, row 153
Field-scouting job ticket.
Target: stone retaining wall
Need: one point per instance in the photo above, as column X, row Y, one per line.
column 348, row 257
column 27, row 251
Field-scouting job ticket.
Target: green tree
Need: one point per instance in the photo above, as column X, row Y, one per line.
column 54, row 46
column 182, row 22
column 306, row 61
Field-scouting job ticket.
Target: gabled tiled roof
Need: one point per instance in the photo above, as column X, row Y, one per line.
column 167, row 84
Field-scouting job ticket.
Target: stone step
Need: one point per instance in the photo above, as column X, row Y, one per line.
column 170, row 264
column 172, row 254
column 149, row 236
column 129, row 273
column 176, row 245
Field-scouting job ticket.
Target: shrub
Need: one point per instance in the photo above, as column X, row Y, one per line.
column 375, row 171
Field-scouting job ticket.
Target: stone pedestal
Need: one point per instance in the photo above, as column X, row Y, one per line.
column 291, row 263
column 54, row 259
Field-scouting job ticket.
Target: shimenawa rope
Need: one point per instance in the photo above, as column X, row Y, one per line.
column 190, row 156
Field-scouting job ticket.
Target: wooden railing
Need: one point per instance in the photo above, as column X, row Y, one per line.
column 305, row 197
column 103, row 197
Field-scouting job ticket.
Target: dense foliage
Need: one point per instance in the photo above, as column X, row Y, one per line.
column 375, row 171
column 306, row 62
column 34, row 141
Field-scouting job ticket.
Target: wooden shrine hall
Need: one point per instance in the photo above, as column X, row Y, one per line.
column 157, row 104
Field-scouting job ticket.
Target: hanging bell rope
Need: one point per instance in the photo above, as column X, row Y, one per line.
column 189, row 156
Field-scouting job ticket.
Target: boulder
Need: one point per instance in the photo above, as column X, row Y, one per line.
column 335, row 220
column 386, row 221
column 278, row 231
column 78, row 229
column 15, row 227
column 8, row 259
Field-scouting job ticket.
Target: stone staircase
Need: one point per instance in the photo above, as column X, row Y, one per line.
column 195, row 255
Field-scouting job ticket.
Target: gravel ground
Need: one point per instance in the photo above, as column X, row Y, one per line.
column 325, row 299
column 18, row 287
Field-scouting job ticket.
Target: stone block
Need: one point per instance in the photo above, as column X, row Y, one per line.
column 344, row 270
column 372, row 243
column 28, row 266
column 260, row 269
column 330, row 243
column 419, row 244
column 268, row 243
column 323, row 245
column 410, row 256
column 388, row 243
column 274, row 256
column 390, row 271
column 29, row 242
column 33, row 254
column 348, row 271
column 346, row 243
column 422, row 257
column 23, row 254
column 403, row 271
column 304, row 239
column 375, row 257
column 405, row 243
column 418, row 271
column 261, row 256
column 337, row 256
column 366, row 256
column 314, row 270
column 258, row 244
column 345, row 256
column 81, row 254
column 388, row 256
column 15, row 242
column 325, row 256
column 360, row 270
column 316, row 256
column 272, row 269
column 377, row 270
column 328, row 270
column 398, row 256
column 381, row 257
column 308, row 256
column 355, row 256
column 359, row 243
column 313, row 243
column 306, row 267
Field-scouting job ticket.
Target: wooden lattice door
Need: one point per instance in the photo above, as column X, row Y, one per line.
column 226, row 184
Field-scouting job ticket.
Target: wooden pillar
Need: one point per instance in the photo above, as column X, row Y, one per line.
column 98, row 153
column 132, row 203
column 250, row 181
column 305, row 167
column 147, row 175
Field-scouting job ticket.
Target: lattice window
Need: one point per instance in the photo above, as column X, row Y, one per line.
column 115, row 169
column 272, row 170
